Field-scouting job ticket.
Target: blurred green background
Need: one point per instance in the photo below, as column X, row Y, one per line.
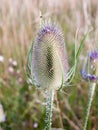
column 24, row 105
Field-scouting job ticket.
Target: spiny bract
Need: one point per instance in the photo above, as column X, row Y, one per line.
column 49, row 58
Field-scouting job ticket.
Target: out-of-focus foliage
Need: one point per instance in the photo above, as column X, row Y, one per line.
column 24, row 105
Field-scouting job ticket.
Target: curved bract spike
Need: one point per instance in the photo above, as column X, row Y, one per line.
column 49, row 58
column 29, row 66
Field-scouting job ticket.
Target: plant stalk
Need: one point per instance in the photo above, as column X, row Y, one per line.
column 91, row 95
column 49, row 105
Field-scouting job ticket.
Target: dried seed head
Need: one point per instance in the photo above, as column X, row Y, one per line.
column 49, row 64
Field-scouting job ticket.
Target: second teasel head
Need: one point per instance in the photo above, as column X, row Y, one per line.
column 49, row 58
column 90, row 71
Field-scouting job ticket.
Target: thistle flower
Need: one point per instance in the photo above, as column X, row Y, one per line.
column 49, row 58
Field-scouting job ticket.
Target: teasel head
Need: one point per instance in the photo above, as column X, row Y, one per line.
column 90, row 70
column 49, row 63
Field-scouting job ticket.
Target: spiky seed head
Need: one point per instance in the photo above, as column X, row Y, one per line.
column 49, row 58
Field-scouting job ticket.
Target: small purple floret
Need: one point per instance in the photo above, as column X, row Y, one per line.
column 92, row 77
column 89, row 76
column 48, row 29
column 84, row 74
column 93, row 55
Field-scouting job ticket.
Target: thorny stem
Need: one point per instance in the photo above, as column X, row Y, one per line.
column 49, row 105
column 91, row 94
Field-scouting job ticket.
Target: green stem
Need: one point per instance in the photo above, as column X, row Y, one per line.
column 49, row 105
column 91, row 94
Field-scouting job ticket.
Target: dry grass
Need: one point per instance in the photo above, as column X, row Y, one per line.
column 19, row 21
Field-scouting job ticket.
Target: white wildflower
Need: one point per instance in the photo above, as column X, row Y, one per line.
column 35, row 125
column 2, row 114
column 14, row 63
column 1, row 58
column 10, row 70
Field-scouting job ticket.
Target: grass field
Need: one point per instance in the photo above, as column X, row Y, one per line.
column 23, row 104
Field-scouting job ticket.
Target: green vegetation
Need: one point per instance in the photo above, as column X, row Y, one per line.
column 23, row 104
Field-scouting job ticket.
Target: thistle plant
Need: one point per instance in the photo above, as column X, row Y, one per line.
column 90, row 74
column 47, row 64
